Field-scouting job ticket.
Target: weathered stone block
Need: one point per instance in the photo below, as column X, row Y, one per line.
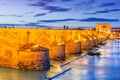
column 57, row 52
column 35, row 59
column 73, row 47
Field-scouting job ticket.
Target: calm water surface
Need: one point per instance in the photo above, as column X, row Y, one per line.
column 105, row 67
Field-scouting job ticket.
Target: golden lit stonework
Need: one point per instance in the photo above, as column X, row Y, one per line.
column 30, row 48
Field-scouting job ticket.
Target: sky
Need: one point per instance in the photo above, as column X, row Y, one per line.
column 56, row 13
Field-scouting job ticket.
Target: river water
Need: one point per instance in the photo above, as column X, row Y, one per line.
column 104, row 67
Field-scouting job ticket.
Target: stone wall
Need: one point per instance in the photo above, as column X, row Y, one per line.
column 34, row 60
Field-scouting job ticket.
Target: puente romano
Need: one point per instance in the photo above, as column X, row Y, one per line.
column 32, row 48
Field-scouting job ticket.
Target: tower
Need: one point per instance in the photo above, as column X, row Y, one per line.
column 103, row 27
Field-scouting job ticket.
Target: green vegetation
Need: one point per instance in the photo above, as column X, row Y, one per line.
column 96, row 46
column 102, row 43
column 22, row 66
column 94, row 53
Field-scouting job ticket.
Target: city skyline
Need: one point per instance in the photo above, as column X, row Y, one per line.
column 56, row 13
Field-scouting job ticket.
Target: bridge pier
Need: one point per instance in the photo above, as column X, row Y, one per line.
column 73, row 47
column 32, row 57
column 95, row 39
column 85, row 42
column 85, row 45
column 91, row 40
column 57, row 52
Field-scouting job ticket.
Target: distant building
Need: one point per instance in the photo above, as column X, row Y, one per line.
column 103, row 27
column 115, row 29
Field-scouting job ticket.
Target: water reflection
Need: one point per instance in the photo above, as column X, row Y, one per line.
column 105, row 67
column 12, row 74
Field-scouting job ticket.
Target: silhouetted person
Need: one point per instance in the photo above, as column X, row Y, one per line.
column 64, row 26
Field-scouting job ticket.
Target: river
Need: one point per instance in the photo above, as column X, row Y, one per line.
column 104, row 67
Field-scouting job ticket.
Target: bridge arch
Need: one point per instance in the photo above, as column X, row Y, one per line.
column 73, row 46
column 85, row 42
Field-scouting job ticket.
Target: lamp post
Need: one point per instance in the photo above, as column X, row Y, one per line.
column 28, row 33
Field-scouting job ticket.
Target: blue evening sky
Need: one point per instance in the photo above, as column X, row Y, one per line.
column 56, row 13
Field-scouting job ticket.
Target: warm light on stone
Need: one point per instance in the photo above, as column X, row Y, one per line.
column 35, row 46
column 59, row 43
column 90, row 38
column 84, row 39
column 57, row 52
column 73, row 47
column 76, row 41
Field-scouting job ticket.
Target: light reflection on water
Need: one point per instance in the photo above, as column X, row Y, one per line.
column 105, row 67
column 12, row 74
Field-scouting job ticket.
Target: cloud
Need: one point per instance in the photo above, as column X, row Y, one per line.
column 56, row 9
column 30, row 0
column 49, row 0
column 16, row 15
column 104, row 11
column 107, row 4
column 44, row 5
column 3, row 15
column 79, row 20
column 3, row 3
column 39, row 4
column 99, row 20
column 31, row 24
column 84, row 3
column 22, row 21
column 42, row 14
column 37, row 24
column 29, row 12
column 52, row 21
column 66, row 0
column 11, row 25
column 13, row 15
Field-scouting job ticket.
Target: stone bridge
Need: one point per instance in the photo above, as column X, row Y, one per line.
column 16, row 37
column 59, row 42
